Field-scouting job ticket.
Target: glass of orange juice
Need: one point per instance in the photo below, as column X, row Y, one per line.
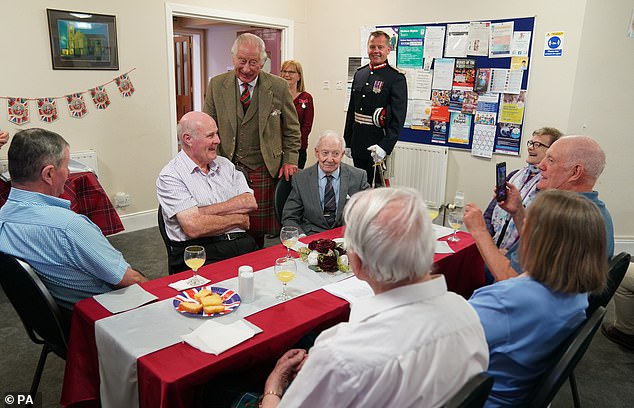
column 285, row 270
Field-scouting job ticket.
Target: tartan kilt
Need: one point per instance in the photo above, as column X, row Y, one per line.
column 263, row 221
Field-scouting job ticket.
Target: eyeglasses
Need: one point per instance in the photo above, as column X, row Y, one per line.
column 536, row 145
column 288, row 72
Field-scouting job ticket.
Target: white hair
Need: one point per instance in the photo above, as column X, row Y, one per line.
column 390, row 231
column 248, row 38
column 331, row 133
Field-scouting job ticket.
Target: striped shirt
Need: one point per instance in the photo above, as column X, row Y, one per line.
column 69, row 252
column 182, row 185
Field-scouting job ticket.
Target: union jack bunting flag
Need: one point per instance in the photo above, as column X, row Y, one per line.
column 47, row 109
column 100, row 97
column 18, row 110
column 76, row 105
column 125, row 85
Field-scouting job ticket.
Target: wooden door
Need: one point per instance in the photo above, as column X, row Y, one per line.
column 183, row 71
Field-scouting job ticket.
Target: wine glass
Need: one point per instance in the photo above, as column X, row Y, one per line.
column 289, row 237
column 195, row 258
column 455, row 222
column 432, row 210
column 285, row 269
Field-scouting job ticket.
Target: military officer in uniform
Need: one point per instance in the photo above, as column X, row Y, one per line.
column 377, row 109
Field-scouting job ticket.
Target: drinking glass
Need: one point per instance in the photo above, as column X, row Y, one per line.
column 285, row 269
column 289, row 237
column 432, row 210
column 455, row 222
column 195, row 258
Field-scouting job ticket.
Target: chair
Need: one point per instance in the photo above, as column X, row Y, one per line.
column 473, row 394
column 565, row 359
column 282, row 191
column 171, row 269
column 37, row 309
column 616, row 272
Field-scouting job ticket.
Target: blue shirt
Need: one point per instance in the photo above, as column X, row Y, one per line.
column 524, row 322
column 69, row 252
column 322, row 184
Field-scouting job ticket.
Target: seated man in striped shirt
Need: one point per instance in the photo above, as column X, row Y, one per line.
column 205, row 200
column 69, row 252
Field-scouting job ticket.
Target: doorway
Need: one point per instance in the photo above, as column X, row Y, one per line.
column 214, row 55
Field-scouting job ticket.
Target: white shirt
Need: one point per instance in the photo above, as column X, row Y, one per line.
column 182, row 185
column 413, row 346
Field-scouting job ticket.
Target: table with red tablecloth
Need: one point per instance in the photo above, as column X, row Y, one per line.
column 86, row 197
column 172, row 377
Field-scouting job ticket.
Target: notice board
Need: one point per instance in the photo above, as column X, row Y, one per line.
column 467, row 82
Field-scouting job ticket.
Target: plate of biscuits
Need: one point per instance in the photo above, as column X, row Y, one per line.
column 206, row 301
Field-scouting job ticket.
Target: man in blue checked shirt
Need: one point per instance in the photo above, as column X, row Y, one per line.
column 69, row 252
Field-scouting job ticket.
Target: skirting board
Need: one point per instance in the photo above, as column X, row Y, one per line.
column 139, row 221
column 148, row 219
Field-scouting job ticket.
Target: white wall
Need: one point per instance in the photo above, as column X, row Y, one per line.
column 133, row 136
column 219, row 40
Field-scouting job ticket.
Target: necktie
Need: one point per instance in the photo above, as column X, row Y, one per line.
column 245, row 97
column 330, row 203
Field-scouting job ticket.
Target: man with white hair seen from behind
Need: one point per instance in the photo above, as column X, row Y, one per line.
column 412, row 344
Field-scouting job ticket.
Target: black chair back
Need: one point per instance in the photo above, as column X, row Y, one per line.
column 171, row 269
column 565, row 359
column 618, row 266
column 282, row 191
column 36, row 307
column 473, row 394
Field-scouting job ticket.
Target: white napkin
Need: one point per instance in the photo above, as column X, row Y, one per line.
column 441, row 231
column 214, row 337
column 351, row 289
column 182, row 285
column 125, row 298
column 442, row 247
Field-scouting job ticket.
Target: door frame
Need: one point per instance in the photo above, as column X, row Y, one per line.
column 230, row 17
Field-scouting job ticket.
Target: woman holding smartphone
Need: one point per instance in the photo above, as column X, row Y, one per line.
column 500, row 223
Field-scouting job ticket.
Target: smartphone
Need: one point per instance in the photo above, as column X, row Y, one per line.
column 500, row 181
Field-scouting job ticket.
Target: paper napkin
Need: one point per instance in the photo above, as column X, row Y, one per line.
column 125, row 299
column 182, row 285
column 214, row 337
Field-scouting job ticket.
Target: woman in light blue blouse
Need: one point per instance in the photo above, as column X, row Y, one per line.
column 563, row 252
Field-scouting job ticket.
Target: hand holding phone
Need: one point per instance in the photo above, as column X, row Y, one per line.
column 500, row 181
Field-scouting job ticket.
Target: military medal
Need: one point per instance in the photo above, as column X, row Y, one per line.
column 376, row 88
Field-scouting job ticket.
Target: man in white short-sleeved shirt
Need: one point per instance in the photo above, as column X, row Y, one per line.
column 412, row 344
column 205, row 200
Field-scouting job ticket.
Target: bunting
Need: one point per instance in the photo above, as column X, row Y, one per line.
column 18, row 110
column 47, row 108
column 125, row 85
column 18, row 107
column 100, row 97
column 76, row 105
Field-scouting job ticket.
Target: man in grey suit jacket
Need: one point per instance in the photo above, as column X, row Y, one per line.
column 258, row 126
column 306, row 207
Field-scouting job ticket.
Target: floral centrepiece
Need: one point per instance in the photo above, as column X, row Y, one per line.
column 325, row 255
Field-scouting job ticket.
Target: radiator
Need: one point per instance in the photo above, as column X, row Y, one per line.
column 88, row 158
column 421, row 167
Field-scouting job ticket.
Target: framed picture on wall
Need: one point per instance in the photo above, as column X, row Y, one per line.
column 81, row 40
